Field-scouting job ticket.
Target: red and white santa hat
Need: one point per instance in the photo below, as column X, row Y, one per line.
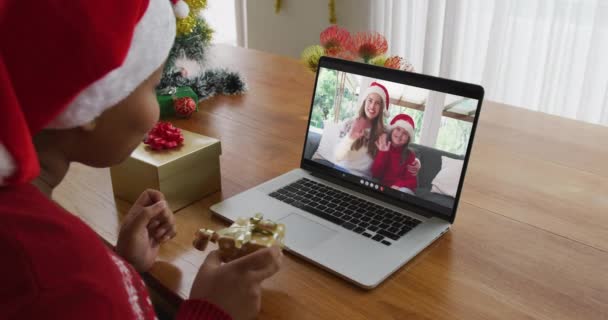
column 376, row 87
column 67, row 63
column 403, row 121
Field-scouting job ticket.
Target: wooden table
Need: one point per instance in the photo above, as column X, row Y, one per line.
column 530, row 240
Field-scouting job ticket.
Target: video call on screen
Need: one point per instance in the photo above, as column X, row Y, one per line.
column 413, row 143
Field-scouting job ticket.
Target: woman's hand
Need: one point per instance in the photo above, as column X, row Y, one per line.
column 382, row 143
column 149, row 223
column 236, row 286
column 414, row 167
column 358, row 129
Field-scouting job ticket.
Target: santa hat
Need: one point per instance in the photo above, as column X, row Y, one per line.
column 375, row 87
column 67, row 63
column 404, row 121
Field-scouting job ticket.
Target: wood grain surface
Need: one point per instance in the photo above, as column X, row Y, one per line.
column 530, row 239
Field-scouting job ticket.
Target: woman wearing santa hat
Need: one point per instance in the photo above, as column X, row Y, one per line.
column 77, row 84
column 392, row 162
column 356, row 150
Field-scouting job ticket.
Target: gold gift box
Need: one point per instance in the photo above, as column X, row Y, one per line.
column 184, row 174
column 243, row 237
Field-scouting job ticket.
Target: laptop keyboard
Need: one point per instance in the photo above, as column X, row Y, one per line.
column 360, row 216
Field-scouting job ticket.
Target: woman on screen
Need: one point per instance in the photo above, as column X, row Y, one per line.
column 357, row 148
column 394, row 161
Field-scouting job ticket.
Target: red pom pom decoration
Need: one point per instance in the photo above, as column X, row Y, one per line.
column 184, row 107
column 164, row 136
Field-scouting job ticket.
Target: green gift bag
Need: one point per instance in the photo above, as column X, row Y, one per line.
column 166, row 96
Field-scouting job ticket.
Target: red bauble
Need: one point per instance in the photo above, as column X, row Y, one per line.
column 164, row 136
column 184, row 107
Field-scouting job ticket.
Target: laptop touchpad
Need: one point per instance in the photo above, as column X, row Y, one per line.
column 303, row 233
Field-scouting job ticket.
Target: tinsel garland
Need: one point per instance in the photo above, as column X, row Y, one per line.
column 197, row 5
column 210, row 83
column 191, row 45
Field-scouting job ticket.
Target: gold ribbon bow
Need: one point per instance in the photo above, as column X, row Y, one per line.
column 243, row 229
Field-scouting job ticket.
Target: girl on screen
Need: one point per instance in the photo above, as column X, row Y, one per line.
column 394, row 160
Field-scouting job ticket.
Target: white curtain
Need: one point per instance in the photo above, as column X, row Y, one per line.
column 545, row 55
column 223, row 17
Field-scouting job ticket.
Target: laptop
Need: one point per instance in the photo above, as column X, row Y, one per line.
column 357, row 224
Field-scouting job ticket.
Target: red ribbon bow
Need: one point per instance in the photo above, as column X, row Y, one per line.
column 164, row 136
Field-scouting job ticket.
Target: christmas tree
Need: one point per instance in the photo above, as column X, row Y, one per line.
column 185, row 66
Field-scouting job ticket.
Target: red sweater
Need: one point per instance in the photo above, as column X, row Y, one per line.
column 387, row 167
column 53, row 266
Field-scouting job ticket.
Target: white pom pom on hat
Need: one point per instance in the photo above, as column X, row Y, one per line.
column 180, row 8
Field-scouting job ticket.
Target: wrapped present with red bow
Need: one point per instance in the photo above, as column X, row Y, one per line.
column 183, row 165
column 177, row 101
column 243, row 237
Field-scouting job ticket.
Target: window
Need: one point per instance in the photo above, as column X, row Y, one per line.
column 334, row 89
column 454, row 135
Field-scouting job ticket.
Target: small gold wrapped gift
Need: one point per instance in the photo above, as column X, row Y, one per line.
column 244, row 236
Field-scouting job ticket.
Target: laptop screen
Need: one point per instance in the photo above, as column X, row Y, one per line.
column 392, row 133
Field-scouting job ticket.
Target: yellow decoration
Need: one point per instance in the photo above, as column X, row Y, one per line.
column 277, row 6
column 186, row 25
column 311, row 56
column 331, row 4
column 378, row 61
column 196, row 5
column 332, row 12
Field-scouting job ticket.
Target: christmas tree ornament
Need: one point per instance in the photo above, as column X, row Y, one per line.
column 164, row 136
column 184, row 107
column 167, row 96
column 244, row 236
